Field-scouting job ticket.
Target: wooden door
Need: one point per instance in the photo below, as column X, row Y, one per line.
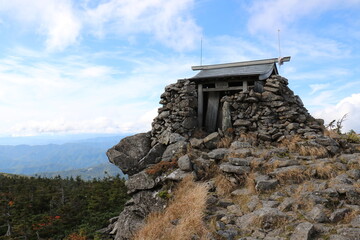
column 212, row 111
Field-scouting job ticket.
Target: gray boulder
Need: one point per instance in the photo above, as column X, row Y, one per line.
column 266, row 185
column 153, row 156
column 139, row 181
column 133, row 215
column 229, row 168
column 129, row 151
column 303, row 231
column 266, row 218
column 211, row 140
column 218, row 153
column 318, row 214
column 184, row 163
column 174, row 150
column 349, row 233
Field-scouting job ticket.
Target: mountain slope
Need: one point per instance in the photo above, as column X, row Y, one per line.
column 99, row 171
column 25, row 159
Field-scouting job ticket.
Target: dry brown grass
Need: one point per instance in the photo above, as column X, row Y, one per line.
column 293, row 146
column 271, row 222
column 331, row 133
column 291, row 143
column 292, row 176
column 256, row 165
column 161, row 167
column 271, row 166
column 199, row 133
column 322, row 171
column 349, row 217
column 223, row 186
column 300, row 198
column 248, row 137
column 357, row 186
column 187, row 209
column 242, row 201
column 225, row 142
column 250, row 183
column 313, row 151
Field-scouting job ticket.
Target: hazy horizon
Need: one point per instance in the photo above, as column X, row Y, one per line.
column 96, row 67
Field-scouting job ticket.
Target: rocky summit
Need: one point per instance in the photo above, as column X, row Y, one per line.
column 272, row 171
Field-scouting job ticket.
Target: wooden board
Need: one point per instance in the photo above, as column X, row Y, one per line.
column 212, row 111
column 200, row 105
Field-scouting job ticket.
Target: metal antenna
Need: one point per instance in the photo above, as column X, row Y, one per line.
column 201, row 51
column 280, row 60
column 279, row 43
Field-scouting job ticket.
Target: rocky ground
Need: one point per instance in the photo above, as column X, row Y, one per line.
column 293, row 189
column 271, row 170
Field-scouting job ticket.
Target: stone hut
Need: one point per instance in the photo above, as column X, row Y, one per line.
column 244, row 97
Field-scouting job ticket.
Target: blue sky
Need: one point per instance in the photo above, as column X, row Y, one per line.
column 84, row 66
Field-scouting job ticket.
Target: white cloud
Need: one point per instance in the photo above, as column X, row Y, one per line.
column 55, row 19
column 317, row 87
column 63, row 22
column 168, row 21
column 36, row 92
column 350, row 106
column 282, row 14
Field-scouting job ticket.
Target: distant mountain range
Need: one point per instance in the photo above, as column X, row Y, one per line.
column 99, row 171
column 81, row 154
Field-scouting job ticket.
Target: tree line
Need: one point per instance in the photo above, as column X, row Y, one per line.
column 56, row 208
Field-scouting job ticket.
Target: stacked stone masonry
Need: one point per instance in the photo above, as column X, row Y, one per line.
column 277, row 191
column 274, row 113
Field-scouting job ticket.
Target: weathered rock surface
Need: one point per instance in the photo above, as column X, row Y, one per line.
column 139, row 181
column 133, row 215
column 126, row 156
column 270, row 171
column 303, row 231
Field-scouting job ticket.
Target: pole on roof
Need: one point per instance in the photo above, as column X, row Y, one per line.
column 201, row 51
column 279, row 43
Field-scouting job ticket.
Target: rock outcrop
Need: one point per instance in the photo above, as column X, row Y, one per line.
column 271, row 171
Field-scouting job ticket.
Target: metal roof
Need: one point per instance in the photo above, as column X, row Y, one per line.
column 262, row 68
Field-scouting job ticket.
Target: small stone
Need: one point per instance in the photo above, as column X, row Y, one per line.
column 175, row 137
column 218, row 153
column 229, row 168
column 354, row 173
column 270, row 204
column 239, row 161
column 266, row 185
column 241, row 153
column 356, row 221
column 303, row 231
column 339, row 214
column 173, row 150
column 189, row 123
column 286, row 204
column 353, row 197
column 139, row 181
column 349, row 233
column 176, row 175
column 242, row 123
column 318, row 214
column 211, row 140
column 196, row 143
column 292, row 126
column 184, row 163
column 235, row 209
column 238, row 144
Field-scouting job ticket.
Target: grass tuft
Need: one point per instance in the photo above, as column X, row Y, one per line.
column 182, row 219
column 223, row 186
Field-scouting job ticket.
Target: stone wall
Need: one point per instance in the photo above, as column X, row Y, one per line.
column 178, row 113
column 274, row 113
